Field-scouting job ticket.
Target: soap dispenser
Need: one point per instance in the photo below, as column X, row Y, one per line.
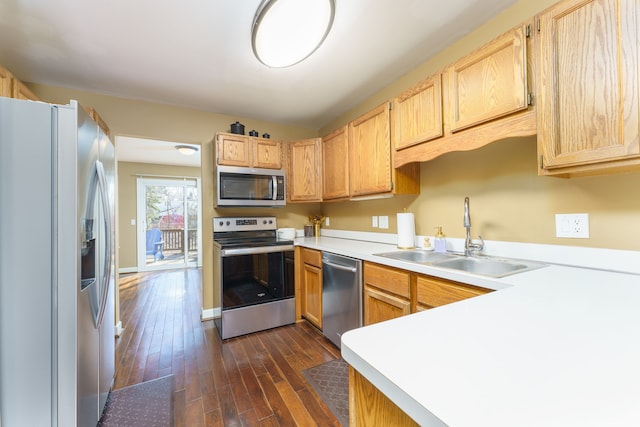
column 440, row 243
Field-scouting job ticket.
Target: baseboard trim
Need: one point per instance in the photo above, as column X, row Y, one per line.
column 210, row 313
column 128, row 270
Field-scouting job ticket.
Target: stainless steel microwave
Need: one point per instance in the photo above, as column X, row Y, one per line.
column 240, row 186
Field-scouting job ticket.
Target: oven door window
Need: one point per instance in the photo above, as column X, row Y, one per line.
column 256, row 279
column 235, row 186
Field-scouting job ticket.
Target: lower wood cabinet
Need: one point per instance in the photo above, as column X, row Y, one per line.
column 390, row 292
column 311, row 286
column 368, row 406
column 387, row 293
column 434, row 292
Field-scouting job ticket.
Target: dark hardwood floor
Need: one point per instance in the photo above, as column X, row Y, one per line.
column 253, row 380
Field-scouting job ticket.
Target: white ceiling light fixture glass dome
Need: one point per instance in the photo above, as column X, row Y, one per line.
column 187, row 150
column 286, row 32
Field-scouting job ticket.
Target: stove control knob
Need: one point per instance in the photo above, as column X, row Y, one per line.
column 270, row 221
column 228, row 223
column 264, row 221
column 221, row 223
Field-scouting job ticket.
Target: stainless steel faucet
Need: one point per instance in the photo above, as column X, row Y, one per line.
column 469, row 246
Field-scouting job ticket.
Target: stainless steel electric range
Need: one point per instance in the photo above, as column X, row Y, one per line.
column 254, row 272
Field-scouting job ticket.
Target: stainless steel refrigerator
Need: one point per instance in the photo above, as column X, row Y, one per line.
column 57, row 335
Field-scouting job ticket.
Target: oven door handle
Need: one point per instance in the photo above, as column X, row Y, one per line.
column 253, row 251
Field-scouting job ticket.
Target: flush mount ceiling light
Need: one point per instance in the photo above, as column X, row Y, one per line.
column 187, row 150
column 286, row 32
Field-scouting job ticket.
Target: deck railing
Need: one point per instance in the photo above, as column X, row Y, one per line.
column 174, row 239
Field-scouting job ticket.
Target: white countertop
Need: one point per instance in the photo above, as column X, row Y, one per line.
column 557, row 346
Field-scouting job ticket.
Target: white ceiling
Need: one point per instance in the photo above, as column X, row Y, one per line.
column 197, row 53
column 153, row 151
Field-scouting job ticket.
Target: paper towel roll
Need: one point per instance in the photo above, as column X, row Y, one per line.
column 406, row 231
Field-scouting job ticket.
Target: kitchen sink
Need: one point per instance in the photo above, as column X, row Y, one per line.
column 482, row 265
column 488, row 266
column 422, row 257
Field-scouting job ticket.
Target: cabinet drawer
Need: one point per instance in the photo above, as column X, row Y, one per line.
column 388, row 279
column 313, row 257
column 435, row 292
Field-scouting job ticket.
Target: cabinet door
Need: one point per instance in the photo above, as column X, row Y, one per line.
column 335, row 165
column 312, row 294
column 588, row 108
column 5, row 83
column 434, row 292
column 233, row 150
column 21, row 91
column 380, row 306
column 417, row 114
column 489, row 83
column 370, row 153
column 304, row 180
column 267, row 153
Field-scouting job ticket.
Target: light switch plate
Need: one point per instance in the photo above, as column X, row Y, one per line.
column 327, row 222
column 383, row 221
column 133, row 222
column 574, row 226
column 374, row 221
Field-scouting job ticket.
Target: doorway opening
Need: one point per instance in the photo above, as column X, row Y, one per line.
column 169, row 223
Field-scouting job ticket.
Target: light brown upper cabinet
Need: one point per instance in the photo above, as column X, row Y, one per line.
column 21, row 91
column 417, row 113
column 11, row 87
column 370, row 153
column 267, row 153
column 489, row 83
column 335, row 165
column 304, row 181
column 588, row 99
column 5, row 83
column 241, row 150
column 371, row 170
column 486, row 97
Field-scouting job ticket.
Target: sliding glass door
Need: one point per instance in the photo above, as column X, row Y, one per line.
column 169, row 223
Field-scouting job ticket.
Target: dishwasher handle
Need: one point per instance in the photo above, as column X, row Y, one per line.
column 339, row 266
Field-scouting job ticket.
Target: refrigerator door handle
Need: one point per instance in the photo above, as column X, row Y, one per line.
column 106, row 273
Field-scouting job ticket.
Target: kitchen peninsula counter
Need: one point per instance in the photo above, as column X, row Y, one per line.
column 557, row 346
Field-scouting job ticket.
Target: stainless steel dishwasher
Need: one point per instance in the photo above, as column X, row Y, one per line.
column 341, row 295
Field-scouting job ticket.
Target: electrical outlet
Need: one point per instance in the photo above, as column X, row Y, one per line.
column 374, row 221
column 327, row 222
column 572, row 225
column 383, row 221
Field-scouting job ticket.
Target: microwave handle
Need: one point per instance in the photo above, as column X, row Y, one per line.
column 274, row 183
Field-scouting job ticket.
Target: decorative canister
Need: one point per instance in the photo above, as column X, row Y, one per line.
column 237, row 128
column 253, row 133
column 266, row 135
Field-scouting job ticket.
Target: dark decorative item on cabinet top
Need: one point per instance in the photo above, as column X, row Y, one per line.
column 237, row 128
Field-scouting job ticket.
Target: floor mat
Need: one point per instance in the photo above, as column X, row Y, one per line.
column 331, row 381
column 148, row 404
